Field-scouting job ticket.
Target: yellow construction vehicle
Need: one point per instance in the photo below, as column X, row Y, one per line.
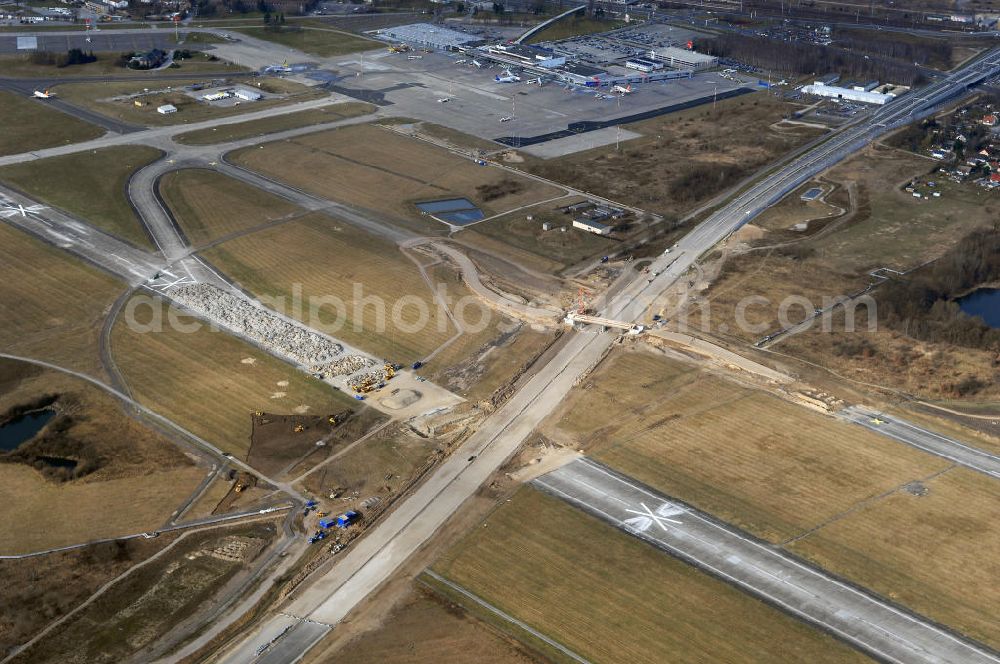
column 389, row 371
column 299, row 428
column 258, row 413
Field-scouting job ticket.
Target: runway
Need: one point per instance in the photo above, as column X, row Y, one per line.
column 867, row 622
column 925, row 440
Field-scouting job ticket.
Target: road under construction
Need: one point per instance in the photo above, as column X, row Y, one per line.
column 374, row 559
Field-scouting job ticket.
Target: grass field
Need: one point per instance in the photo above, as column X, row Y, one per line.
column 45, row 514
column 143, row 606
column 928, row 552
column 107, row 64
column 209, row 205
column 572, row 26
column 314, row 39
column 327, row 258
column 721, row 144
column 211, row 382
column 612, row 598
column 88, row 185
column 382, row 171
column 888, row 227
column 29, row 125
column 770, row 467
column 273, row 124
column 563, row 248
column 109, row 99
column 428, row 629
column 55, row 584
column 52, row 305
column 131, row 465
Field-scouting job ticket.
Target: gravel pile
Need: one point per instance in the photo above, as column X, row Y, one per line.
column 266, row 328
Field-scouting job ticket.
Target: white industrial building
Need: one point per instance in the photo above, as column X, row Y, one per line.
column 594, row 227
column 247, row 95
column 427, row 34
column 166, row 109
column 848, row 94
column 679, row 58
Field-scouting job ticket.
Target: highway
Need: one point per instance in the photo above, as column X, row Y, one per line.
column 379, row 554
column 922, row 439
column 866, row 621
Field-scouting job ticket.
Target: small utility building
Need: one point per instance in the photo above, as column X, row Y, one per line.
column 166, row 109
column 595, row 227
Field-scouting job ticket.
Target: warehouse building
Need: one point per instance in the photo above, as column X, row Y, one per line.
column 595, row 227
column 848, row 94
column 248, row 95
column 430, row 36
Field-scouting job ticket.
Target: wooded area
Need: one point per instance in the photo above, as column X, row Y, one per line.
column 922, row 305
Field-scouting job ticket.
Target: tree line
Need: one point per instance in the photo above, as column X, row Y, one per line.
column 800, row 58
column 923, row 306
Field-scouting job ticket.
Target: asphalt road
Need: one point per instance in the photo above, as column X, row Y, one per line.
column 869, row 623
column 377, row 556
column 925, row 440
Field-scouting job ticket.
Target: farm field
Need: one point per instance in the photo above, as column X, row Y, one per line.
column 758, row 462
column 141, row 607
column 585, row 585
column 313, row 39
column 354, row 275
column 380, row 170
column 239, row 130
column 99, row 97
column 58, row 582
column 723, row 145
column 55, row 489
column 29, row 125
column 52, row 305
column 428, row 629
column 88, row 185
column 211, row 382
column 209, row 205
column 934, row 559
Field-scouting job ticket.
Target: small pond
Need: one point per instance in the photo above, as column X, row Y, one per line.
column 985, row 303
column 457, row 211
column 23, row 428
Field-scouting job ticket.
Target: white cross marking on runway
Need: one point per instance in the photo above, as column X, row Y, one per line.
column 648, row 517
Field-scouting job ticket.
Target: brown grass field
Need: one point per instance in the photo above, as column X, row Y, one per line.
column 45, row 514
column 136, row 469
column 107, row 64
column 362, row 471
column 126, row 620
column 888, row 228
column 89, row 185
column 29, row 125
column 931, row 553
column 327, row 258
column 553, row 245
column 55, row 584
column 99, row 97
column 200, row 381
column 770, row 467
column 275, row 123
column 52, row 304
column 738, row 134
column 209, row 205
column 428, row 629
column 612, row 598
column 380, row 170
